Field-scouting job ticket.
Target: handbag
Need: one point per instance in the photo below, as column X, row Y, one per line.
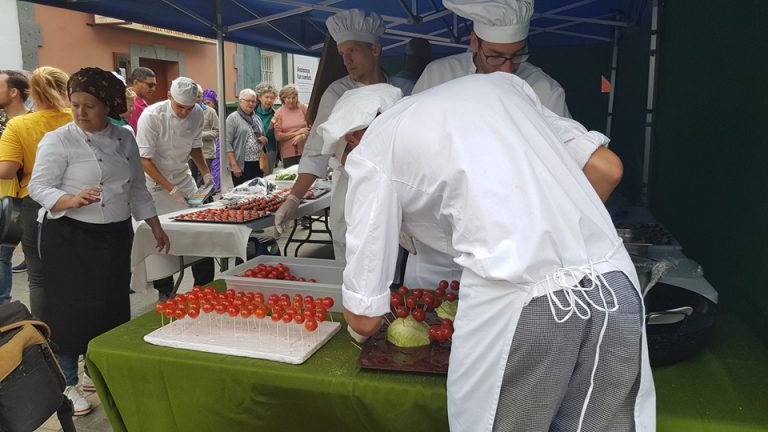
column 31, row 381
column 264, row 163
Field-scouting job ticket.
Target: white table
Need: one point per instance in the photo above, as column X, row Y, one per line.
column 192, row 241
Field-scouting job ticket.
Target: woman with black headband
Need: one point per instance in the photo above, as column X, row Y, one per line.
column 89, row 180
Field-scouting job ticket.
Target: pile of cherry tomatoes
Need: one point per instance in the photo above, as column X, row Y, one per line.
column 417, row 302
column 241, row 212
column 302, row 310
column 279, row 272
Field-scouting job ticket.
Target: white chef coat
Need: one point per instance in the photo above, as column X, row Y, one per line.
column 70, row 160
column 512, row 210
column 168, row 141
column 445, row 69
column 315, row 163
column 428, row 267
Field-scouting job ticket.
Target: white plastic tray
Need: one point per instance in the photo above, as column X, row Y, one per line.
column 328, row 273
column 254, row 338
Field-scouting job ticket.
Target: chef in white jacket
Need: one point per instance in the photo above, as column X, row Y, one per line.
column 169, row 133
column 357, row 38
column 499, row 43
column 549, row 332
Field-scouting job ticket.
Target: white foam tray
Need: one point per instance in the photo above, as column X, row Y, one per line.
column 221, row 334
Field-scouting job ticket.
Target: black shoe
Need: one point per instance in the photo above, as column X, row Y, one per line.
column 22, row 267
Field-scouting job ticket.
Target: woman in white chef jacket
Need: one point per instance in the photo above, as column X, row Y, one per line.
column 549, row 314
column 89, row 181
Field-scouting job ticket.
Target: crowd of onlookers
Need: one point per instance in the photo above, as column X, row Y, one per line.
column 81, row 154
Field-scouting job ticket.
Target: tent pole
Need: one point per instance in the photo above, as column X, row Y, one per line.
column 612, row 93
column 653, row 65
column 224, row 179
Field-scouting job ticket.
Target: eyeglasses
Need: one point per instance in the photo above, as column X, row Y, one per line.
column 496, row 60
column 149, row 84
column 249, row 101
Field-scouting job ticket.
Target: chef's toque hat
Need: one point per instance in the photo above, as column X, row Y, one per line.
column 184, row 91
column 355, row 110
column 497, row 21
column 352, row 24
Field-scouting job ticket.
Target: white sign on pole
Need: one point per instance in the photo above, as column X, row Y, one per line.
column 304, row 71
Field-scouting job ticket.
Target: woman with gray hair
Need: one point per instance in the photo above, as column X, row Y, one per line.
column 267, row 94
column 245, row 139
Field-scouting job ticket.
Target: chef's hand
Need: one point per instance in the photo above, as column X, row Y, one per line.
column 286, row 214
column 207, row 179
column 356, row 336
column 85, row 197
column 163, row 243
column 262, row 140
column 178, row 195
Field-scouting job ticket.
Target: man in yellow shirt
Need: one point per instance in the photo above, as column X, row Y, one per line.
column 14, row 91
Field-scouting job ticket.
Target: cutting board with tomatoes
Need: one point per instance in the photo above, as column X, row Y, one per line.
column 378, row 353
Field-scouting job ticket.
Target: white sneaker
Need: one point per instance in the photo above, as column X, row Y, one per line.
column 82, row 406
column 87, row 383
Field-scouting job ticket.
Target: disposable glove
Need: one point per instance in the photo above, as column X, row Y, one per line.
column 356, row 336
column 207, row 179
column 178, row 195
column 286, row 214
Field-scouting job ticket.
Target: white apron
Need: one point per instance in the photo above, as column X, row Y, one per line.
column 482, row 341
column 336, row 218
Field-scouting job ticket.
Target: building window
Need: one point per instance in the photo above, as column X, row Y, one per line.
column 272, row 68
column 267, row 68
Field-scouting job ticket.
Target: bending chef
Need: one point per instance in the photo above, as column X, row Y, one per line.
column 550, row 315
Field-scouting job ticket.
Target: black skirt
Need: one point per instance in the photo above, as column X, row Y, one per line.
column 86, row 280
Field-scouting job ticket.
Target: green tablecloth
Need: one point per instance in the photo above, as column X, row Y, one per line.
column 150, row 388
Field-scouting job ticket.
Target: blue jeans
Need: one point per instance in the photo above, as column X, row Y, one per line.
column 6, row 277
column 68, row 365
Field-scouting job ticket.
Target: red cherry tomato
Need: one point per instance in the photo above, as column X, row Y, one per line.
column 169, row 313
column 287, row 318
column 160, row 307
column 193, row 313
column 440, row 293
column 276, row 316
column 450, row 297
column 396, row 301
column 299, row 319
column 446, row 322
column 246, row 313
column 197, row 288
column 233, row 311
column 260, row 313
column 401, row 312
column 207, row 308
column 455, row 285
column 220, row 308
column 328, row 302
column 417, row 292
column 433, row 331
column 411, row 302
column 179, row 313
column 320, row 315
column 443, row 284
column 310, row 325
column 418, row 315
column 403, row 291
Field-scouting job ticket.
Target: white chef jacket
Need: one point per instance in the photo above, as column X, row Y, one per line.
column 314, row 162
column 445, row 69
column 428, row 267
column 70, row 160
column 168, row 141
column 512, row 210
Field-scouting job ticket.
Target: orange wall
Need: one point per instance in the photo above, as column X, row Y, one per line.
column 71, row 42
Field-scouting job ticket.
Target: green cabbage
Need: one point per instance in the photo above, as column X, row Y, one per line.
column 407, row 333
column 448, row 309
